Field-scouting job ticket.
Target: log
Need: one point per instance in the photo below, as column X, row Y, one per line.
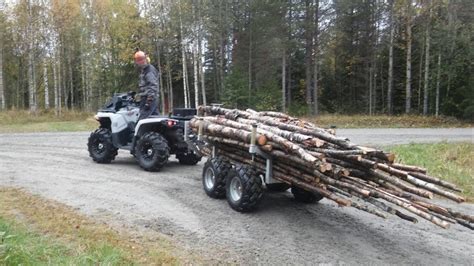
column 222, row 131
column 435, row 180
column 409, row 168
column 419, row 183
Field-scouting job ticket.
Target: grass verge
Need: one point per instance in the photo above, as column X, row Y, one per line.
column 36, row 231
column 15, row 121
column 385, row 121
column 454, row 162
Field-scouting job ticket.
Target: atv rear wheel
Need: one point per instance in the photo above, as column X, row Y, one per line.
column 100, row 146
column 304, row 196
column 152, row 151
column 243, row 188
column 214, row 174
column 188, row 158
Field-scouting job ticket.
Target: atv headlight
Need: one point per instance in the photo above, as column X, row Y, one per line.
column 96, row 117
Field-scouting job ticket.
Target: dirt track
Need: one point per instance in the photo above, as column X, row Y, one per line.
column 281, row 231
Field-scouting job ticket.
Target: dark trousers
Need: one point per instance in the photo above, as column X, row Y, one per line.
column 145, row 112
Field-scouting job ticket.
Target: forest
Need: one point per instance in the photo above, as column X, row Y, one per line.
column 305, row 57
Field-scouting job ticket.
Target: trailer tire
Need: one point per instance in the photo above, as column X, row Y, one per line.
column 214, row 175
column 100, row 146
column 152, row 151
column 278, row 187
column 188, row 158
column 304, row 196
column 244, row 188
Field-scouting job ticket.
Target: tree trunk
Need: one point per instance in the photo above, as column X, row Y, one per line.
column 438, row 77
column 283, row 81
column 160, row 76
column 2, row 89
column 249, row 67
column 71, row 84
column 316, row 59
column 200, row 59
column 183, row 58
column 308, row 34
column 408, row 70
column 31, row 83
column 196, row 76
column 170, row 85
column 427, row 63
column 420, row 78
column 55, row 91
column 390, row 62
column 46, row 89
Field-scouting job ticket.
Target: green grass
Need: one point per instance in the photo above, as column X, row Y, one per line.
column 37, row 231
column 14, row 121
column 385, row 121
column 453, row 162
column 22, row 246
column 45, row 121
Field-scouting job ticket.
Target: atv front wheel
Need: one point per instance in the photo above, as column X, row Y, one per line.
column 243, row 188
column 188, row 158
column 152, row 151
column 100, row 146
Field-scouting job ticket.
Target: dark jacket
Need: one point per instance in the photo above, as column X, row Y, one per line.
column 148, row 82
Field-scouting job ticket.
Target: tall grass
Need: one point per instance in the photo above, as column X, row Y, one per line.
column 453, row 162
column 385, row 121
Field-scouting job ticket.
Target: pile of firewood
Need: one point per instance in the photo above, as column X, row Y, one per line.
column 315, row 159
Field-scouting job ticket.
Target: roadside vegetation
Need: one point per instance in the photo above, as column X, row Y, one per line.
column 45, row 121
column 35, row 231
column 385, row 121
column 17, row 121
column 453, row 162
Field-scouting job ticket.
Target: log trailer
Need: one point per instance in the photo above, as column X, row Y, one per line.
column 241, row 180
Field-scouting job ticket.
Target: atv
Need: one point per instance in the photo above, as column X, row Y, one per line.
column 151, row 141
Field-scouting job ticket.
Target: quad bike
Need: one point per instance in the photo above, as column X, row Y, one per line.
column 151, row 141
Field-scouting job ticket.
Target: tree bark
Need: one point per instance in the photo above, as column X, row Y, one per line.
column 308, row 34
column 200, row 59
column 408, row 70
column 390, row 61
column 183, row 58
column 427, row 62
column 316, row 59
column 2, row 89
column 196, row 76
column 438, row 80
column 46, row 86
column 283, row 81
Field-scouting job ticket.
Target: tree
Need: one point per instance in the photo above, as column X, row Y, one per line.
column 427, row 61
column 390, row 60
column 408, row 70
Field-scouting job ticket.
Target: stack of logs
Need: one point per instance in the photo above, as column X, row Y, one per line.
column 314, row 159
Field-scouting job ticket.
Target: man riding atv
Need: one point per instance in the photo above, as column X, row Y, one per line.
column 148, row 86
column 150, row 138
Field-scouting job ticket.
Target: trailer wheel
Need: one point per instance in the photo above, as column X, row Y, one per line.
column 278, row 187
column 243, row 188
column 304, row 196
column 188, row 158
column 213, row 177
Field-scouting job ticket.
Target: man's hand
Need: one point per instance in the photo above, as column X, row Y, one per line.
column 149, row 100
column 137, row 97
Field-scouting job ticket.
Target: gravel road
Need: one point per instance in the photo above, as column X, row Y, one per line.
column 281, row 231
